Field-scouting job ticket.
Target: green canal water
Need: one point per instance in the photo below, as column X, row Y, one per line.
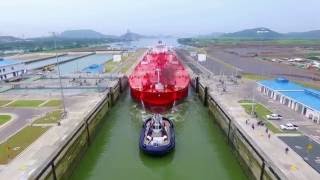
column 201, row 150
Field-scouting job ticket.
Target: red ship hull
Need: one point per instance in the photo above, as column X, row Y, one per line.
column 165, row 99
column 159, row 80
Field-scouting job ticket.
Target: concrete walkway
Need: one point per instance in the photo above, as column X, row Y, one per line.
column 291, row 165
column 41, row 150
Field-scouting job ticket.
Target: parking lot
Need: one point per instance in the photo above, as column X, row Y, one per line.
column 306, row 148
column 306, row 126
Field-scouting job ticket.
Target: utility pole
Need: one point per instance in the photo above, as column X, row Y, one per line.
column 59, row 74
column 252, row 105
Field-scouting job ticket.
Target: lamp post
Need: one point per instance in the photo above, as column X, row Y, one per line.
column 59, row 74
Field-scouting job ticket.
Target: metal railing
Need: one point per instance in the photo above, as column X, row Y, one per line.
column 74, row 135
column 256, row 151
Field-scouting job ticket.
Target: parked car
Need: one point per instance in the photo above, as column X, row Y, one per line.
column 289, row 126
column 274, row 117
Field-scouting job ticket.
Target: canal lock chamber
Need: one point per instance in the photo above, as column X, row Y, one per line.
column 201, row 152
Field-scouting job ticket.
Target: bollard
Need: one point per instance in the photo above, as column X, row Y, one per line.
column 111, row 96
column 262, row 170
column 120, row 85
column 197, row 84
column 88, row 133
column 205, row 102
column 229, row 127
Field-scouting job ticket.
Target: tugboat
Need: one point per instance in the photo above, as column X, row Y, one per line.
column 157, row 136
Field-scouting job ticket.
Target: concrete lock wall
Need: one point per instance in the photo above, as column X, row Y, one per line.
column 61, row 165
column 249, row 157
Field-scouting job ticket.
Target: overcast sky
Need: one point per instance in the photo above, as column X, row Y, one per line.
column 30, row 18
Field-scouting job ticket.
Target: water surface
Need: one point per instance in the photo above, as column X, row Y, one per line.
column 201, row 151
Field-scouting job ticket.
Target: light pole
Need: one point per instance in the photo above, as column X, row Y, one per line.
column 59, row 74
column 253, row 105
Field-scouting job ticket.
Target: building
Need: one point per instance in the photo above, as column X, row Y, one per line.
column 193, row 54
column 116, row 58
column 202, row 57
column 10, row 69
column 300, row 99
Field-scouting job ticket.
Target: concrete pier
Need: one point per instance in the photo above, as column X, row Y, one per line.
column 261, row 156
column 56, row 151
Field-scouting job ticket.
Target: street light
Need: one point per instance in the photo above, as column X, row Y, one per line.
column 59, row 74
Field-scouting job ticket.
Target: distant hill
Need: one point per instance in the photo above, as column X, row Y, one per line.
column 91, row 34
column 8, row 39
column 304, row 35
column 256, row 33
column 83, row 34
column 266, row 33
column 130, row 36
column 211, row 35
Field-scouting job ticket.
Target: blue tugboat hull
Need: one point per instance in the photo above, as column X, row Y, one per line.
column 157, row 150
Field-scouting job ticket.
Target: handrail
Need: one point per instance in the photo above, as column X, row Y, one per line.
column 244, row 137
column 71, row 138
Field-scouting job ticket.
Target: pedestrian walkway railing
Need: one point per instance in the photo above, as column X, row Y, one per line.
column 266, row 163
column 50, row 165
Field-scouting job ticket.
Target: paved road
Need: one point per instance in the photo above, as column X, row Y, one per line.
column 306, row 148
column 255, row 66
column 215, row 66
column 23, row 117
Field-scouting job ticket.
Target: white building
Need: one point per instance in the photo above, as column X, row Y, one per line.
column 117, row 58
column 202, row 57
column 11, row 69
column 302, row 100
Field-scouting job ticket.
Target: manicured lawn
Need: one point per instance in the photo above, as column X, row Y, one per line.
column 255, row 77
column 261, row 113
column 110, row 65
column 53, row 103
column 26, row 103
column 4, row 102
column 19, row 142
column 309, row 85
column 126, row 67
column 51, row 117
column 4, row 119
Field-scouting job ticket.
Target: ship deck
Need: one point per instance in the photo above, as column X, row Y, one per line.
column 172, row 74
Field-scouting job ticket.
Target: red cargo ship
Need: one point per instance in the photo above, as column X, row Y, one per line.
column 159, row 79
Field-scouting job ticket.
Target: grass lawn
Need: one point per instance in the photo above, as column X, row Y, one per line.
column 261, row 113
column 26, row 103
column 53, row 103
column 19, row 142
column 126, row 67
column 51, row 117
column 309, row 85
column 255, row 77
column 4, row 119
column 110, row 65
column 4, row 102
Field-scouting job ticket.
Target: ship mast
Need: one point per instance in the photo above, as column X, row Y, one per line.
column 158, row 73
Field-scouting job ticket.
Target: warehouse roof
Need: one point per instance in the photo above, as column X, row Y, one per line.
column 6, row 62
column 305, row 96
column 281, row 84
